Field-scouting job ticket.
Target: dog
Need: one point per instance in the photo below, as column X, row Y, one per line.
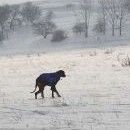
column 48, row 79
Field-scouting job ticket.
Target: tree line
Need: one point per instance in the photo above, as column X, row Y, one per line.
column 113, row 14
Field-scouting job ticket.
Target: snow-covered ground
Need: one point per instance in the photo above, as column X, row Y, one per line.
column 95, row 93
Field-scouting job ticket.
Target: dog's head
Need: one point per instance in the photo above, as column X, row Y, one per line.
column 61, row 73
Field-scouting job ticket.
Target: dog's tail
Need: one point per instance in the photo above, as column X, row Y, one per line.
column 34, row 89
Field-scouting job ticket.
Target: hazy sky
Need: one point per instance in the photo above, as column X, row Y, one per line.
column 13, row 1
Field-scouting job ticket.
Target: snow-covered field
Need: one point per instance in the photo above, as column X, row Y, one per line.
column 95, row 93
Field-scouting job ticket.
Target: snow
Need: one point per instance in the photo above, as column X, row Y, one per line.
column 95, row 93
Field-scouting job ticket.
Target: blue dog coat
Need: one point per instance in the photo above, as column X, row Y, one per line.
column 50, row 78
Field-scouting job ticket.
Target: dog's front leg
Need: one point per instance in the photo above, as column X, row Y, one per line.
column 57, row 93
column 55, row 90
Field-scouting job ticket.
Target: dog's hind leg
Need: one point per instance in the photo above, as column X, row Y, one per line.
column 37, row 93
column 52, row 93
column 42, row 93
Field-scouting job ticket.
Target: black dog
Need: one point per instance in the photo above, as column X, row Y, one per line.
column 48, row 79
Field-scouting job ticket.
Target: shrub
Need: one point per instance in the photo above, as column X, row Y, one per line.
column 108, row 51
column 59, row 35
column 79, row 28
column 125, row 61
column 1, row 36
column 99, row 26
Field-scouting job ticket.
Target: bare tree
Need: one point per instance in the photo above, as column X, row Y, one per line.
column 31, row 12
column 116, row 14
column 44, row 28
column 122, row 14
column 49, row 16
column 127, row 5
column 4, row 15
column 111, row 14
column 102, row 5
column 85, row 12
column 15, row 16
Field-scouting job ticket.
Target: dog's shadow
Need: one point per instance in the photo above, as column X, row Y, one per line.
column 50, row 102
